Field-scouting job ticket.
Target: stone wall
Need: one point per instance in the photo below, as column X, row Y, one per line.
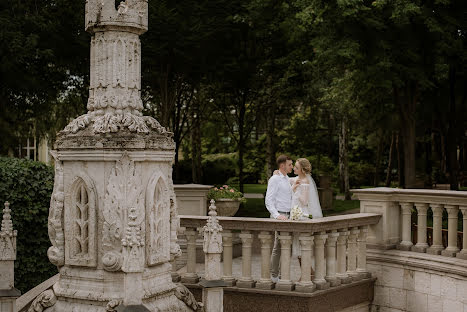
column 408, row 281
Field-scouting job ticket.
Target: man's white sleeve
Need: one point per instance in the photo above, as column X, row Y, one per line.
column 271, row 191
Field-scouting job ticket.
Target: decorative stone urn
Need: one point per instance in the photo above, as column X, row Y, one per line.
column 227, row 207
column 113, row 218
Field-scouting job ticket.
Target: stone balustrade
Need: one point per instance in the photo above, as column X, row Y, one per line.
column 334, row 247
column 396, row 207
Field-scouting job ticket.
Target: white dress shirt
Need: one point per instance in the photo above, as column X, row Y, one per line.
column 278, row 195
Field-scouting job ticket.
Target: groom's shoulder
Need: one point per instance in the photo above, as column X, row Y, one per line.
column 273, row 178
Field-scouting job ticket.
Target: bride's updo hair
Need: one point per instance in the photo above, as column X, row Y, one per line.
column 305, row 165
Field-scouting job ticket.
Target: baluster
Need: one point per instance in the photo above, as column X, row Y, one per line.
column 352, row 254
column 306, row 244
column 190, row 275
column 331, row 259
column 463, row 253
column 285, row 283
column 320, row 263
column 227, row 237
column 452, row 248
column 361, row 255
column 174, row 274
column 342, row 256
column 421, row 245
column 266, row 246
column 437, row 246
column 246, row 281
column 406, row 243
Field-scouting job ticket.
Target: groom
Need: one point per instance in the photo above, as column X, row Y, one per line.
column 278, row 202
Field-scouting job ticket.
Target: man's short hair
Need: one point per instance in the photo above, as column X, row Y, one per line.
column 282, row 159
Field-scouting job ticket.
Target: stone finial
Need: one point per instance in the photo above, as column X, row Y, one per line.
column 7, row 236
column 212, row 232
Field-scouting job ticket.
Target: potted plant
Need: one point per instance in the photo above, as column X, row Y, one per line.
column 227, row 199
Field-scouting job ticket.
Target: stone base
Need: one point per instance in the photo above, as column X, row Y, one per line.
column 305, row 287
column 190, row 279
column 246, row 283
column 229, row 281
column 461, row 255
column 175, row 277
column 266, row 284
column 322, row 285
column 364, row 275
column 345, row 279
column 355, row 276
column 449, row 252
column 434, row 250
column 405, row 246
column 333, row 281
column 285, row 285
column 420, row 248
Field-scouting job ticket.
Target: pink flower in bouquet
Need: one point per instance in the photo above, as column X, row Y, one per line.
column 232, row 191
column 225, row 186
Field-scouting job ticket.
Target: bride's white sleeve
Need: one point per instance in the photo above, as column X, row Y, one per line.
column 304, row 198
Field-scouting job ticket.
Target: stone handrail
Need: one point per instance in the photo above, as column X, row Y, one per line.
column 396, row 206
column 337, row 244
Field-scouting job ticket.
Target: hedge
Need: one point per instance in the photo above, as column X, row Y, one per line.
column 27, row 185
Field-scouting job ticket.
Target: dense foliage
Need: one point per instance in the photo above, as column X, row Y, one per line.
column 27, row 186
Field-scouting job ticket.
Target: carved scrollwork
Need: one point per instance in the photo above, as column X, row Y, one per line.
column 183, row 294
column 56, row 252
column 45, row 300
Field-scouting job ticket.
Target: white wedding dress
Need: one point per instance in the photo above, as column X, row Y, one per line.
column 306, row 197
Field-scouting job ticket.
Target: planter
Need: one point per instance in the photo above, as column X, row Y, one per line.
column 227, row 207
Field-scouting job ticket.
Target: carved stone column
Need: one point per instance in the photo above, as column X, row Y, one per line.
column 352, row 254
column 305, row 284
column 8, row 292
column 361, row 252
column 463, row 253
column 227, row 236
column 452, row 248
column 331, row 259
column 341, row 272
column 266, row 246
column 285, row 283
column 320, row 261
column 421, row 245
column 190, row 276
column 406, row 243
column 246, row 281
column 437, row 246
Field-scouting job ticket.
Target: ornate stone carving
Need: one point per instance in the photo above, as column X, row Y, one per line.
column 133, row 244
column 158, row 220
column 183, row 294
column 80, row 247
column 7, row 236
column 212, row 232
column 112, row 305
column 123, row 201
column 56, row 252
column 43, row 301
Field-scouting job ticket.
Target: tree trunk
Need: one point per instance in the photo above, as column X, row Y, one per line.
column 389, row 168
column 241, row 140
column 379, row 153
column 196, row 169
column 452, row 133
column 343, row 161
column 400, row 165
column 270, row 139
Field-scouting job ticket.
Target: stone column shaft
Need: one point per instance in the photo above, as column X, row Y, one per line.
column 421, row 245
column 341, row 272
column 246, row 281
column 306, row 245
column 361, row 255
column 285, row 283
column 463, row 253
column 437, row 245
column 320, row 261
column 452, row 248
column 352, row 254
column 266, row 239
column 190, row 276
column 331, row 258
column 406, row 243
column 227, row 237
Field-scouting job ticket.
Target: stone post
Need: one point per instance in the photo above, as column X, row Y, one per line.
column 341, row 272
column 227, row 236
column 352, row 254
column 245, row 281
column 452, row 248
column 213, row 293
column 463, row 253
column 320, row 261
column 421, row 245
column 190, row 276
column 266, row 246
column 331, row 259
column 306, row 244
column 406, row 243
column 285, row 283
column 8, row 292
column 437, row 246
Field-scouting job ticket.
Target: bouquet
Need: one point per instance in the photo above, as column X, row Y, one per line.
column 296, row 213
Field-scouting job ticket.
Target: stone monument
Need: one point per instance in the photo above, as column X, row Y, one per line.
column 113, row 220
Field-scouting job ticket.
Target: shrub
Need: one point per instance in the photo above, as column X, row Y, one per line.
column 27, row 185
column 218, row 168
column 225, row 191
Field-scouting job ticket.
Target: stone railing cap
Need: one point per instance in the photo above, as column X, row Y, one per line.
column 193, row 186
